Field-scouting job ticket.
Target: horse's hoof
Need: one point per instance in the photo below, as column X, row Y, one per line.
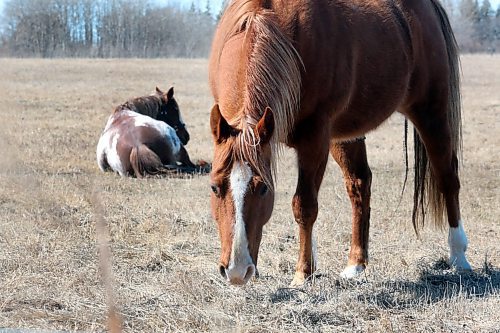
column 352, row 271
column 460, row 263
column 298, row 280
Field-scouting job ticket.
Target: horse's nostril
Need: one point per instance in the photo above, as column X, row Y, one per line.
column 250, row 272
column 222, row 271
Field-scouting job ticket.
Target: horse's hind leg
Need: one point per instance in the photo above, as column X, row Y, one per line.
column 351, row 157
column 436, row 133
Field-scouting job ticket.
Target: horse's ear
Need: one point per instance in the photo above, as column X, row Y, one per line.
column 265, row 126
column 158, row 91
column 219, row 126
column 170, row 93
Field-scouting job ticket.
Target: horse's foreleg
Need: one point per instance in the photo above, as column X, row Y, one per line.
column 311, row 165
column 351, row 157
column 183, row 158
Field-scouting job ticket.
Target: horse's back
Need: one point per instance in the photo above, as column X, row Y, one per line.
column 366, row 52
column 357, row 58
column 363, row 60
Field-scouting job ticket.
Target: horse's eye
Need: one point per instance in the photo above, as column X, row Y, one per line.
column 215, row 189
column 263, row 190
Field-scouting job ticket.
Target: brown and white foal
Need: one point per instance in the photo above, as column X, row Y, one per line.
column 138, row 145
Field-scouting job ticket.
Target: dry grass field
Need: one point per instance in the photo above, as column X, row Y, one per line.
column 164, row 243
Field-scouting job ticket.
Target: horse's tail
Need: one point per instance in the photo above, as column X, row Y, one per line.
column 144, row 161
column 426, row 191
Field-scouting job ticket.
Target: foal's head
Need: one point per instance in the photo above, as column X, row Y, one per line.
column 170, row 113
column 242, row 191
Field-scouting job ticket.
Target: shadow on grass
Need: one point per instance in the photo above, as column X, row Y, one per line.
column 435, row 284
column 180, row 171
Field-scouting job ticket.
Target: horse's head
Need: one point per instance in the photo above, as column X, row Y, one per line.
column 242, row 192
column 170, row 113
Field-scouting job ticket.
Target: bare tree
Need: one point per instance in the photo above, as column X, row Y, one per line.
column 104, row 28
column 143, row 28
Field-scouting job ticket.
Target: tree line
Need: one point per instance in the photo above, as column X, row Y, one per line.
column 144, row 28
column 104, row 28
column 476, row 25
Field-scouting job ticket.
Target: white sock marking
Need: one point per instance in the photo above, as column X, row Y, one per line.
column 457, row 240
column 352, row 271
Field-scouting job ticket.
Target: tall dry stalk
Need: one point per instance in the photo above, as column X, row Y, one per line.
column 114, row 321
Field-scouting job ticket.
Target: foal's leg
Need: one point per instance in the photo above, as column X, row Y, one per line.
column 183, row 158
column 435, row 133
column 351, row 157
column 312, row 161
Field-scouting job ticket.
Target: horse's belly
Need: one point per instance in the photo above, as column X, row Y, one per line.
column 354, row 124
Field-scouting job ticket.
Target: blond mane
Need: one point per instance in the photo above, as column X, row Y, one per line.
column 272, row 79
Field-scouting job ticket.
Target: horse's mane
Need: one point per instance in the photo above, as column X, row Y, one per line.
column 146, row 105
column 272, row 78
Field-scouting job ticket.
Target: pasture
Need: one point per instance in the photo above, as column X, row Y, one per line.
column 164, row 243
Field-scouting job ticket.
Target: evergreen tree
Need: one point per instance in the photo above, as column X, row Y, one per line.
column 485, row 25
column 485, row 10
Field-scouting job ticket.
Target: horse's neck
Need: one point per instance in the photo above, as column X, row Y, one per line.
column 148, row 106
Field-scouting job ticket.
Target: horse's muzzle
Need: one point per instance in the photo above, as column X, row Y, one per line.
column 238, row 275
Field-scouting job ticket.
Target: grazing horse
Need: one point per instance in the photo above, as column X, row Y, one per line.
column 316, row 76
column 138, row 145
column 161, row 106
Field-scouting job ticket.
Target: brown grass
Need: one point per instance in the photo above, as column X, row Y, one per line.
column 164, row 243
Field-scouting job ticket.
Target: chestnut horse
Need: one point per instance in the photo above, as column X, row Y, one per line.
column 316, row 76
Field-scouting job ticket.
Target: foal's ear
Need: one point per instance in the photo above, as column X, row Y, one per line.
column 158, row 91
column 170, row 93
column 265, row 126
column 219, row 126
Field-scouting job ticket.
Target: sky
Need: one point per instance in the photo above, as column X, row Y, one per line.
column 214, row 4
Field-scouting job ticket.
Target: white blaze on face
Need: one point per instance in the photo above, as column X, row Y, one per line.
column 240, row 177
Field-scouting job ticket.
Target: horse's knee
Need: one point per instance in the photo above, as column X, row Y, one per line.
column 359, row 184
column 364, row 175
column 305, row 209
